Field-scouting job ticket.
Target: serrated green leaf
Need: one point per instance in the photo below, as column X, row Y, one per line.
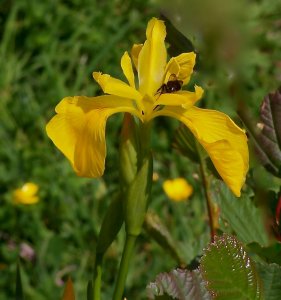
column 271, row 254
column 269, row 138
column 178, row 284
column 270, row 275
column 242, row 216
column 229, row 272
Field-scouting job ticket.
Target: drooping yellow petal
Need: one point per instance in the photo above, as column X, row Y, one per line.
column 126, row 65
column 78, row 130
column 152, row 58
column 182, row 66
column 113, row 86
column 224, row 141
column 183, row 98
column 135, row 51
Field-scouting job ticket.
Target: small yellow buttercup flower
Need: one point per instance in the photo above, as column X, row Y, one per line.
column 177, row 189
column 27, row 194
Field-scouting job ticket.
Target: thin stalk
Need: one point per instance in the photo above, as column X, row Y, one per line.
column 97, row 277
column 206, row 186
column 124, row 266
column 145, row 136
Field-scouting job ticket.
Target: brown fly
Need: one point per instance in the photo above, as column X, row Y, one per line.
column 172, row 85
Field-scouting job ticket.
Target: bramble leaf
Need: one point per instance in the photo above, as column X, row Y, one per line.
column 229, row 272
column 271, row 254
column 178, row 284
column 270, row 275
column 242, row 216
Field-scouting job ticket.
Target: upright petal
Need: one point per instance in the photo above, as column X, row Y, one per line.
column 152, row 58
column 135, row 51
column 113, row 86
column 182, row 66
column 126, row 65
column 78, row 130
column 224, row 141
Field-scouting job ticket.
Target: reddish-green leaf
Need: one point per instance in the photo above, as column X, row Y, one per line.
column 268, row 144
column 178, row 284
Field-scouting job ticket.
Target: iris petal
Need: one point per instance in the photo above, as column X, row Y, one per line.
column 126, row 65
column 152, row 58
column 78, row 130
column 183, row 98
column 135, row 51
column 182, row 66
column 224, row 141
column 113, row 86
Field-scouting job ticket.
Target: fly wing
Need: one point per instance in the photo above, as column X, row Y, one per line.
column 173, row 77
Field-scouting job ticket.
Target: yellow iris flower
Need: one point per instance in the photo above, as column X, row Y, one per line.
column 78, row 128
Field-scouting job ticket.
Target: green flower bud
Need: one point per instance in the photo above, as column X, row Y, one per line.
column 128, row 152
column 137, row 197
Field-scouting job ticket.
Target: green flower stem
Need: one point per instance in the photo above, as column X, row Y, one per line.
column 136, row 179
column 97, row 277
column 145, row 136
column 206, row 186
column 124, row 266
